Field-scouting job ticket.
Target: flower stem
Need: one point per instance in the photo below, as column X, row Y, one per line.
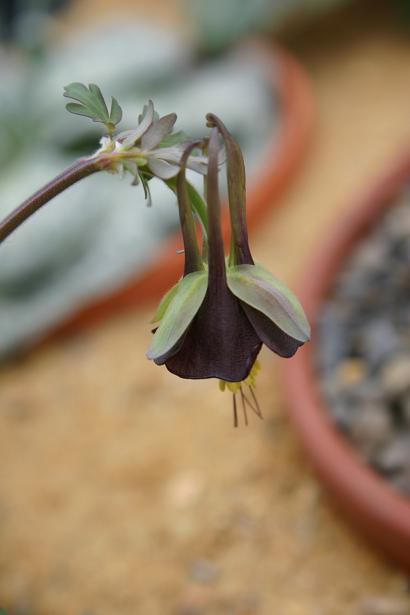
column 80, row 169
column 193, row 261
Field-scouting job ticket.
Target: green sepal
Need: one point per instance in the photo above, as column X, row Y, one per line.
column 130, row 166
column 178, row 316
column 164, row 303
column 257, row 287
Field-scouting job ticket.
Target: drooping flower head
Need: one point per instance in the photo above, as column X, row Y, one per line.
column 215, row 320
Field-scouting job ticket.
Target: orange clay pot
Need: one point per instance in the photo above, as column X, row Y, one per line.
column 283, row 153
column 379, row 512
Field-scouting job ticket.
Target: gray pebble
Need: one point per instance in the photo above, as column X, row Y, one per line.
column 402, row 481
column 395, row 455
column 364, row 347
column 204, row 571
column 384, row 605
column 371, row 427
column 379, row 341
column 395, row 376
column 406, row 410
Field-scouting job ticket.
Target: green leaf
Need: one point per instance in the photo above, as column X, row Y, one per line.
column 116, row 111
column 254, row 285
column 97, row 100
column 147, row 191
column 91, row 103
column 132, row 168
column 174, row 139
column 199, row 207
column 164, row 303
column 79, row 110
column 179, row 314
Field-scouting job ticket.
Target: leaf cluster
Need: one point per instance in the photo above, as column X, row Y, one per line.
column 91, row 103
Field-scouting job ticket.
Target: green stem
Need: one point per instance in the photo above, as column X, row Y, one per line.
column 80, row 169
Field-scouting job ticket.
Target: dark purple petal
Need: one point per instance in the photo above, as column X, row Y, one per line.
column 220, row 342
column 270, row 334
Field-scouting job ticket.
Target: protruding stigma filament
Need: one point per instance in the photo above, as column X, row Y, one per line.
column 246, row 400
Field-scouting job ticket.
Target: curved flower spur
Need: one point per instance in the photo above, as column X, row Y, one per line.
column 213, row 322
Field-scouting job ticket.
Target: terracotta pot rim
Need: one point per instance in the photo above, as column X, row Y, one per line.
column 368, row 501
column 287, row 150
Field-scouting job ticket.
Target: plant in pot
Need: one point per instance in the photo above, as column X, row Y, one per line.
column 348, row 391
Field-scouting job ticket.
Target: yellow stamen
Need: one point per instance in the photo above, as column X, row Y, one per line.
column 249, row 381
column 245, row 401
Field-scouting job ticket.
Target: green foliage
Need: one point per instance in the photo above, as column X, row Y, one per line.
column 174, row 139
column 197, row 202
column 91, row 103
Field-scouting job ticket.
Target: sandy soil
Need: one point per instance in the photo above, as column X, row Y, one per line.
column 124, row 490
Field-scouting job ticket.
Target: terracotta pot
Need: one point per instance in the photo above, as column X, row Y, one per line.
column 283, row 155
column 380, row 513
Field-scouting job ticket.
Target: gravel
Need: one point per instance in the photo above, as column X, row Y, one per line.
column 363, row 354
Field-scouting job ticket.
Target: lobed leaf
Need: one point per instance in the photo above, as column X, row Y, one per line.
column 78, row 109
column 116, row 111
column 91, row 103
column 96, row 99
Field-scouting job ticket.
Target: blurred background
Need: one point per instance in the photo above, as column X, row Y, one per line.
column 123, row 489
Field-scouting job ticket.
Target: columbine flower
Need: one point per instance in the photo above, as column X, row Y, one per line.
column 151, row 149
column 214, row 321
